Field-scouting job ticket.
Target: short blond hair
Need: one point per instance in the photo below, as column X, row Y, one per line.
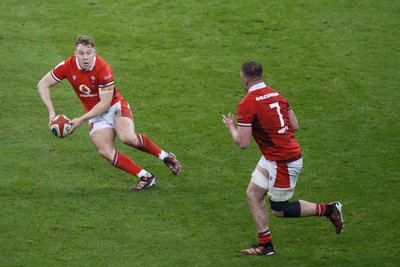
column 85, row 40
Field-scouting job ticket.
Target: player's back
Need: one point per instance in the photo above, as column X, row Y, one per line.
column 271, row 124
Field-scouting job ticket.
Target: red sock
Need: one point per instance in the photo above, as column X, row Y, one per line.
column 146, row 145
column 320, row 209
column 126, row 164
column 264, row 237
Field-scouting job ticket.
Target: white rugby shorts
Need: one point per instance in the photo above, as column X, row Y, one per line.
column 282, row 178
column 107, row 118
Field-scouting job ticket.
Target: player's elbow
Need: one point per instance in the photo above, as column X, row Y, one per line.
column 243, row 137
column 42, row 85
column 293, row 123
column 39, row 86
column 294, row 127
column 243, row 145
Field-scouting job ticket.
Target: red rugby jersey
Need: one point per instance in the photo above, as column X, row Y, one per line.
column 86, row 83
column 266, row 111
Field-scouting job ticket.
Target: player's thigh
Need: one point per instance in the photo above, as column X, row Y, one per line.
column 103, row 141
column 255, row 192
column 125, row 129
column 261, row 174
column 259, row 184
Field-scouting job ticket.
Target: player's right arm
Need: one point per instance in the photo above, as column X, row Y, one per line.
column 240, row 135
column 44, row 91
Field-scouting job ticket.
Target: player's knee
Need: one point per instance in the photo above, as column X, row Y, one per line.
column 106, row 154
column 255, row 192
column 277, row 213
column 251, row 194
column 278, row 208
column 128, row 140
column 286, row 209
column 258, row 185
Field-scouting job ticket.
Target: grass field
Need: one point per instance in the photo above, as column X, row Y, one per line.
column 177, row 63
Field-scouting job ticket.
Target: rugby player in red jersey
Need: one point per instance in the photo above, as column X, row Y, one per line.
column 266, row 115
column 108, row 114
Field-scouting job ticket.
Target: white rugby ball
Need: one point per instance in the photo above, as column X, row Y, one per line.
column 60, row 126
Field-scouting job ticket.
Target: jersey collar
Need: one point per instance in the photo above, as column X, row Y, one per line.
column 91, row 68
column 257, row 86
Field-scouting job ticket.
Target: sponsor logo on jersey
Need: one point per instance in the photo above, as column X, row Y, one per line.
column 86, row 92
column 258, row 98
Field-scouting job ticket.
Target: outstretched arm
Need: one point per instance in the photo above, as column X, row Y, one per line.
column 44, row 91
column 240, row 135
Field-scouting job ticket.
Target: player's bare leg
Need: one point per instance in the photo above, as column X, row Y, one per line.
column 103, row 141
column 333, row 211
column 259, row 211
column 256, row 198
column 125, row 129
column 306, row 209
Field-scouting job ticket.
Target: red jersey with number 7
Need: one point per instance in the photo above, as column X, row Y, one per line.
column 266, row 111
column 86, row 83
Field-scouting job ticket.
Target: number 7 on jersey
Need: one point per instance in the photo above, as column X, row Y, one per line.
column 278, row 110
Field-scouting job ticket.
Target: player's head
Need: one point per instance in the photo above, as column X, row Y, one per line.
column 251, row 73
column 85, row 51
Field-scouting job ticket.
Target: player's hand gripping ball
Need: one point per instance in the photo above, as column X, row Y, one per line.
column 60, row 126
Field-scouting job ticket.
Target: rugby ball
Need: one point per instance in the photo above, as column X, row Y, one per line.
column 60, row 126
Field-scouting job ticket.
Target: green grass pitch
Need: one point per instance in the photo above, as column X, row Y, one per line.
column 177, row 63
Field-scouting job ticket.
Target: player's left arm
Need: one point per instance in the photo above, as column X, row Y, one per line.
column 293, row 123
column 240, row 135
column 106, row 95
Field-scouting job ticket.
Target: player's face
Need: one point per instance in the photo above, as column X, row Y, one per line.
column 85, row 56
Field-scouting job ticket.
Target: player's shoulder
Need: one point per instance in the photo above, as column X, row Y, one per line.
column 64, row 63
column 102, row 65
column 70, row 61
column 273, row 93
column 101, row 62
column 246, row 102
column 271, row 90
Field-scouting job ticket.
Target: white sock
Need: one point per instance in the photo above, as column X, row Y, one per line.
column 143, row 173
column 162, row 155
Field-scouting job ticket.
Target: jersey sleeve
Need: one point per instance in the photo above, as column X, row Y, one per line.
column 58, row 73
column 288, row 107
column 106, row 76
column 245, row 114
